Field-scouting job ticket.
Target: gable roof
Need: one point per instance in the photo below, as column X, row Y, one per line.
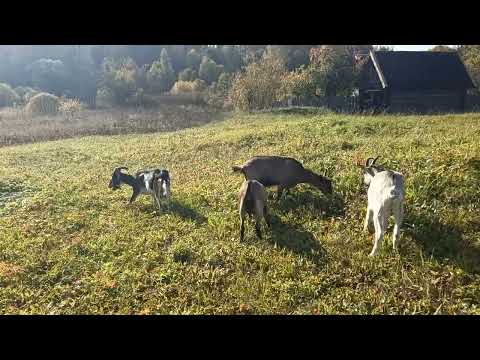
column 421, row 70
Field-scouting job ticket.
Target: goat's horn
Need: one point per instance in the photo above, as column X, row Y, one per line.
column 375, row 160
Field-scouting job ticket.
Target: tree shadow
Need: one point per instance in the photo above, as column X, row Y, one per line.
column 443, row 241
column 329, row 206
column 296, row 239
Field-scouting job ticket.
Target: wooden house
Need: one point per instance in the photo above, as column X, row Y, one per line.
column 419, row 81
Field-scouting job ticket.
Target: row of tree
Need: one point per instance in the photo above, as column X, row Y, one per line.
column 124, row 72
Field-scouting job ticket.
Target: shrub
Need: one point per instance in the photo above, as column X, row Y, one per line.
column 183, row 87
column 258, row 86
column 199, row 85
column 70, row 107
column 43, row 104
column 7, row 96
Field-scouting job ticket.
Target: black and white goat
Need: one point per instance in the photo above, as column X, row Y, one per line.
column 154, row 182
column 386, row 194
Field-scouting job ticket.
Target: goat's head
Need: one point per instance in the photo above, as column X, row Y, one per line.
column 370, row 169
column 115, row 182
column 323, row 183
column 162, row 178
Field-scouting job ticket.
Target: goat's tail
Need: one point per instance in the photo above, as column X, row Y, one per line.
column 236, row 168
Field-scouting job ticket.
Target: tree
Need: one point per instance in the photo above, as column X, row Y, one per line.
column 470, row 54
column 187, row 74
column 232, row 58
column 160, row 76
column 443, row 48
column 193, row 59
column 258, row 86
column 209, row 70
column 333, row 68
column 119, row 78
column 49, row 75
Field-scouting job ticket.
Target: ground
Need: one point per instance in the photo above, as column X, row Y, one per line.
column 70, row 245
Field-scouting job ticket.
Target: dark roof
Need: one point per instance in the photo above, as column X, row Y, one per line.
column 423, row 70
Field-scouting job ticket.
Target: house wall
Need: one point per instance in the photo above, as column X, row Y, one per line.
column 428, row 100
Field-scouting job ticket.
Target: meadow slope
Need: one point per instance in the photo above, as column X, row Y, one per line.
column 69, row 245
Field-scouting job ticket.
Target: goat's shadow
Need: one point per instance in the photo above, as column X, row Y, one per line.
column 474, row 168
column 295, row 239
column 329, row 206
column 176, row 207
column 443, row 241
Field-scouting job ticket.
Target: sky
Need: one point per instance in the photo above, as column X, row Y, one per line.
column 413, row 47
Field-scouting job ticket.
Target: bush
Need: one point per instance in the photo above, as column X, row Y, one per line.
column 183, row 87
column 43, row 104
column 8, row 97
column 199, row 85
column 257, row 88
column 70, row 107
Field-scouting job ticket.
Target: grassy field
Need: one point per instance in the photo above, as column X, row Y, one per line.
column 68, row 245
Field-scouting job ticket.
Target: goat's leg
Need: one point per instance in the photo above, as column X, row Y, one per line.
column 398, row 215
column 158, row 202
column 134, row 196
column 242, row 226
column 367, row 226
column 266, row 216
column 378, row 222
column 280, row 190
column 257, row 229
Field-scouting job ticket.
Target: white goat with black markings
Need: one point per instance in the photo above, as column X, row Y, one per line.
column 154, row 182
column 386, row 194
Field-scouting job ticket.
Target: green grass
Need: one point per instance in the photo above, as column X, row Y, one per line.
column 69, row 245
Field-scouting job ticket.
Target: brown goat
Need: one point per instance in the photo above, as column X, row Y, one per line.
column 283, row 172
column 252, row 201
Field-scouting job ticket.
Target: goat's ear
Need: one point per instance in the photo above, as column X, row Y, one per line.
column 370, row 171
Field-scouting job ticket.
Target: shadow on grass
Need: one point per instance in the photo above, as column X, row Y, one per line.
column 176, row 207
column 185, row 211
column 296, row 239
column 329, row 206
column 474, row 167
column 443, row 241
